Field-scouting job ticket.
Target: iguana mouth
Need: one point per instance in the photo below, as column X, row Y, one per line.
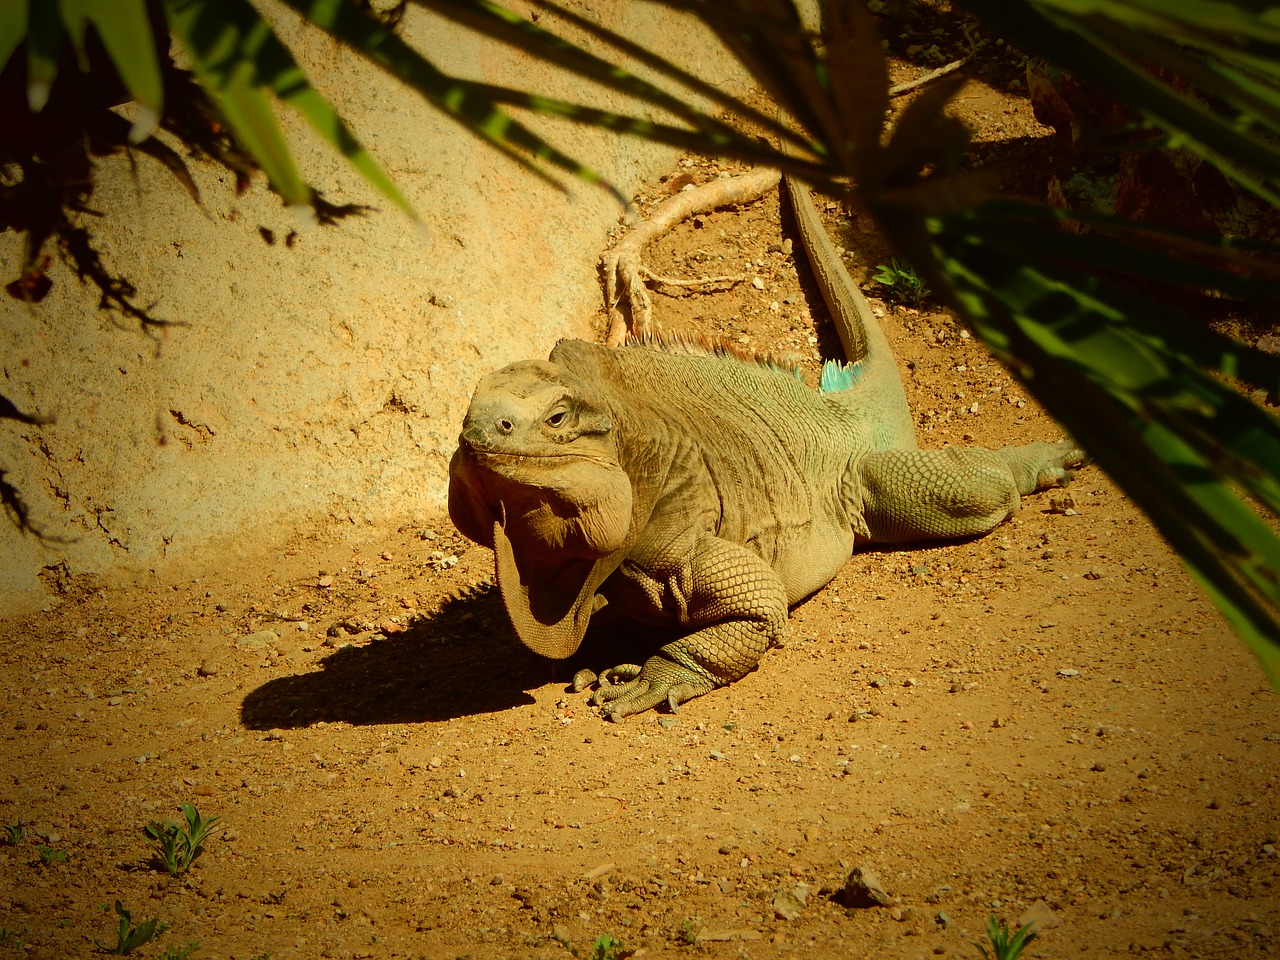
column 502, row 457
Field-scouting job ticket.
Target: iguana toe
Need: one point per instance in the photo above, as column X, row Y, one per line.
column 624, row 672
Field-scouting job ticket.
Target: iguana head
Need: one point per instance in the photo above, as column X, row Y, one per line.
column 530, row 420
column 537, row 476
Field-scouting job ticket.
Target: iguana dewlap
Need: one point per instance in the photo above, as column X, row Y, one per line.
column 703, row 491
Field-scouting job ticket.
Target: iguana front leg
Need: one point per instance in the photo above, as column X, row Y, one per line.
column 736, row 606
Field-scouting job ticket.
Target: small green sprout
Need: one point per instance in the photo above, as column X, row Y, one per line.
column 176, row 846
column 901, row 282
column 690, row 929
column 129, row 937
column 14, row 938
column 51, row 854
column 13, row 833
column 175, row 952
column 608, row 947
column 1005, row 945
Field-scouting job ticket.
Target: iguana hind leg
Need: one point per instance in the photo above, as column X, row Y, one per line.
column 955, row 492
column 737, row 607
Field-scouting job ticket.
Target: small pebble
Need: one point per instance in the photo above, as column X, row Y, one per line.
column 789, row 904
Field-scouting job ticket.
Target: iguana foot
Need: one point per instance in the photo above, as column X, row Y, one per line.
column 1038, row 466
column 642, row 687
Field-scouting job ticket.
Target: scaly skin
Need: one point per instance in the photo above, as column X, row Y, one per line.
column 681, row 486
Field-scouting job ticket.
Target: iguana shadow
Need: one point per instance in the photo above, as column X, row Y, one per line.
column 462, row 661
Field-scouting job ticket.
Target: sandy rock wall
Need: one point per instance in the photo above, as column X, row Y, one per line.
column 308, row 372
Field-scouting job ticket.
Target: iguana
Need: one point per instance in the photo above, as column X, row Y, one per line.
column 690, row 487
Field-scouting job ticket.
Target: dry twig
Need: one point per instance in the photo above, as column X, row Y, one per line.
column 625, row 272
column 623, row 269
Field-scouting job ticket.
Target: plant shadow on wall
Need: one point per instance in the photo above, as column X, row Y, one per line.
column 462, row 661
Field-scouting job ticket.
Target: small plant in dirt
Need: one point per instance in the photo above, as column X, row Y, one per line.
column 13, row 833
column 900, row 282
column 605, row 947
column 175, row 952
column 128, row 936
column 177, row 845
column 14, row 938
column 1005, row 945
column 50, row 854
column 689, row 930
column 608, row 947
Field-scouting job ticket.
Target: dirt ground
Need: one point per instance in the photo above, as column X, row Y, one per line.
column 1048, row 723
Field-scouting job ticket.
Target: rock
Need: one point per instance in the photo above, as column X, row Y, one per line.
column 1269, row 343
column 209, row 667
column 724, row 936
column 260, row 640
column 1039, row 916
column 861, row 889
column 789, row 904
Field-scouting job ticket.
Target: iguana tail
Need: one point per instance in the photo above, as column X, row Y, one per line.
column 871, row 366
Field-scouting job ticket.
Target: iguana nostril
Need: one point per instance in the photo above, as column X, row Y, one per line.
column 504, row 425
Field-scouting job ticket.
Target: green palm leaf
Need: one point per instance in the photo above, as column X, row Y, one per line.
column 237, row 57
column 13, row 28
column 1109, row 42
column 1167, row 432
column 44, row 37
column 125, row 31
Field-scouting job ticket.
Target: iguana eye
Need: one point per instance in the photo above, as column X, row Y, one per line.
column 557, row 418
